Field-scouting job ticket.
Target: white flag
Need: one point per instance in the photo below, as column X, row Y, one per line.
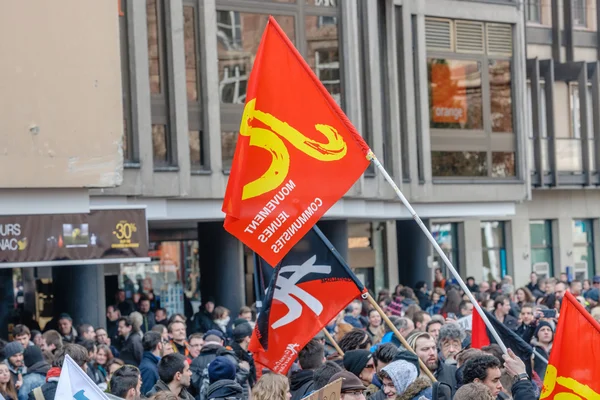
column 75, row 384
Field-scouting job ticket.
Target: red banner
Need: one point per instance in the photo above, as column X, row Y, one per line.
column 574, row 367
column 296, row 154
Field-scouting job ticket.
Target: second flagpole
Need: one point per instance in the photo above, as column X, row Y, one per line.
column 437, row 248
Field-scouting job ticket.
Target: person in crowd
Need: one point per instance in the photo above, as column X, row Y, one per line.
column 354, row 340
column 400, row 380
column 559, row 291
column 104, row 355
column 126, row 383
column 411, row 310
column 195, row 344
column 596, row 313
column 439, row 280
column 527, row 322
column 461, row 359
column 162, row 331
column 361, row 364
column 202, row 320
column 484, row 287
column 375, row 329
column 160, row 317
column 175, row 376
column 112, row 366
column 465, row 308
column 502, row 312
column 488, row 305
column 433, row 328
column 65, row 328
column 352, row 314
column 136, row 319
column 213, row 342
column 542, row 343
column 310, row 358
column 271, row 387
column 324, row 373
column 471, row 285
column 241, row 340
column 450, row 342
column 13, row 352
column 576, row 288
column 153, row 350
column 48, row 390
column 221, row 318
column 177, row 331
column 524, row 296
column 592, row 298
column 507, row 290
column 92, row 367
column 473, row 391
column 163, row 396
column 124, row 305
column 37, row 338
column 352, row 387
column 451, row 303
column 420, row 320
column 484, row 369
column 7, row 387
column 422, row 295
column 221, row 382
column 425, row 347
column 37, row 368
column 102, row 338
column 132, row 348
column 112, row 321
column 22, row 335
column 148, row 318
column 86, row 332
column 532, row 286
column 383, row 355
column 52, row 341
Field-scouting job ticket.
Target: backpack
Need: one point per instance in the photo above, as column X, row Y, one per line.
column 203, row 385
column 38, row 394
column 441, row 391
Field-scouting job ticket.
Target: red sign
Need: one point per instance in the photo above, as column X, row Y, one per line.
column 449, row 98
column 296, row 155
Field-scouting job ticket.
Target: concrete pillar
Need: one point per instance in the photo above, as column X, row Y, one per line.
column 337, row 233
column 472, row 249
column 221, row 266
column 28, row 275
column 413, row 253
column 7, row 301
column 564, row 245
column 79, row 292
column 520, row 239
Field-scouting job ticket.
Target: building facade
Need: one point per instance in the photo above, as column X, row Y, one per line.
column 451, row 95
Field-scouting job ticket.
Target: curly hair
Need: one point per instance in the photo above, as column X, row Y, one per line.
column 356, row 339
column 324, row 373
column 451, row 332
column 271, row 386
column 474, row 390
column 477, row 368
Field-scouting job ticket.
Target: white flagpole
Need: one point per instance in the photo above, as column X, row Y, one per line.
column 437, row 248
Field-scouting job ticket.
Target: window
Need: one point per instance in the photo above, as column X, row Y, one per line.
column 129, row 155
column 494, row 250
column 163, row 143
column 533, row 11
column 238, row 37
column 540, row 234
column 543, row 134
column 580, row 13
column 470, row 99
column 569, row 148
column 583, row 248
column 446, row 236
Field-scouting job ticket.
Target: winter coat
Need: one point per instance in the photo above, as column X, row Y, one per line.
column 301, row 384
column 148, row 322
column 446, row 373
column 48, row 390
column 206, row 356
column 132, row 350
column 244, row 355
column 225, row 389
column 202, row 322
column 241, row 375
column 420, row 389
column 523, row 390
column 149, row 371
column 163, row 387
column 35, row 377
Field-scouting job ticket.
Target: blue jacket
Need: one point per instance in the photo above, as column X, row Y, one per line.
column 149, row 371
column 30, row 382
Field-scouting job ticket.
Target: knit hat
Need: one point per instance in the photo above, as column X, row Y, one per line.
column 356, row 360
column 221, row 368
column 540, row 325
column 409, row 356
column 242, row 331
column 214, row 332
column 402, row 373
column 593, row 294
column 32, row 355
column 12, row 349
column 350, row 381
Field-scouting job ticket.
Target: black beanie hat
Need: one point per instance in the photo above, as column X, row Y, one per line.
column 541, row 324
column 32, row 355
column 356, row 360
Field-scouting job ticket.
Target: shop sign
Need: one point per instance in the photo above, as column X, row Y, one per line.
column 448, row 94
column 98, row 237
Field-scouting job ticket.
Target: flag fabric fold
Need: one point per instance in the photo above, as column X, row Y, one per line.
column 573, row 370
column 310, row 287
column 75, row 384
column 296, row 155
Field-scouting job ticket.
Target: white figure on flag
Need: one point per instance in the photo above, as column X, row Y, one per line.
column 75, row 384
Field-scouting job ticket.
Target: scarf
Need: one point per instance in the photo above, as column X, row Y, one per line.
column 54, row 372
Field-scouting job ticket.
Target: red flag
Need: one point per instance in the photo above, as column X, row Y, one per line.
column 309, row 288
column 574, row 366
column 479, row 336
column 296, row 155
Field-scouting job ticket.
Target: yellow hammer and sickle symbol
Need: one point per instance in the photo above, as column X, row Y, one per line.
column 332, row 150
column 581, row 391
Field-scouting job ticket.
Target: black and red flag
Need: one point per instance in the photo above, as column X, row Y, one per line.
column 310, row 286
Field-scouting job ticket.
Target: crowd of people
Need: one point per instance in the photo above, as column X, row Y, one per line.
column 145, row 353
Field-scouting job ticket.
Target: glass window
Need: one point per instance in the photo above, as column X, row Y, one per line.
column 455, row 99
column 446, row 236
column 533, row 11
column 494, row 250
column 195, row 143
column 323, row 54
column 459, row 163
column 228, row 142
column 189, row 35
column 501, row 95
column 128, row 153
column 160, row 145
column 540, row 233
column 154, row 55
column 503, row 164
column 580, row 13
column 583, row 248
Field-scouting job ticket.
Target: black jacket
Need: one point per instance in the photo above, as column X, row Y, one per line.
column 446, row 373
column 523, row 390
column 244, row 355
column 301, row 384
column 202, row 322
column 206, row 356
column 163, row 387
column 48, row 390
column 132, row 350
column 149, row 371
column 148, row 322
column 225, row 389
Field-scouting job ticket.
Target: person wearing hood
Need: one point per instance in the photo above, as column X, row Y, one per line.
column 175, row 376
column 153, row 351
column 13, row 352
column 310, row 358
column 221, row 381
column 37, row 368
column 361, row 364
column 401, row 382
column 213, row 341
column 542, row 342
